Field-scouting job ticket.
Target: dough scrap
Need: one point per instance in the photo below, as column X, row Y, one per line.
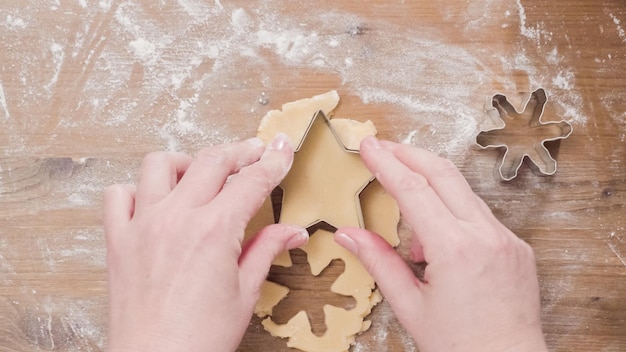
column 380, row 214
column 271, row 294
column 294, row 118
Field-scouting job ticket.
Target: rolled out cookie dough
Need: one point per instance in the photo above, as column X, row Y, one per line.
column 380, row 214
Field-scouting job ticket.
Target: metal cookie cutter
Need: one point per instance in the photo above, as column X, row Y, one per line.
column 308, row 184
column 522, row 134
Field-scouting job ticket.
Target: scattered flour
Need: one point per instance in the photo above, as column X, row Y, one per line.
column 14, row 24
column 617, row 245
column 528, row 32
column 6, row 268
column 618, row 27
column 105, row 5
column 3, row 102
column 619, row 255
column 203, row 45
column 241, row 21
column 58, row 56
column 63, row 323
column 563, row 80
column 143, row 50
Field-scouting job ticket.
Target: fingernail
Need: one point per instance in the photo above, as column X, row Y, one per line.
column 298, row 239
column 255, row 142
column 346, row 242
column 280, row 142
column 372, row 142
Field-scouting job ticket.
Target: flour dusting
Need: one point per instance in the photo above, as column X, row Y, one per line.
column 618, row 27
column 58, row 56
column 617, row 245
column 203, row 45
column 3, row 102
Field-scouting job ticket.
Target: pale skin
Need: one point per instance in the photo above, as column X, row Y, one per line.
column 179, row 278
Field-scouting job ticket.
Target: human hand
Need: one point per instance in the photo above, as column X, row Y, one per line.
column 179, row 279
column 480, row 290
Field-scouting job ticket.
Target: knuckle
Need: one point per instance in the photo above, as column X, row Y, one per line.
column 492, row 239
column 500, row 245
column 461, row 250
column 155, row 158
column 258, row 177
column 411, row 182
column 445, row 168
column 219, row 220
column 376, row 265
column 527, row 249
column 212, row 156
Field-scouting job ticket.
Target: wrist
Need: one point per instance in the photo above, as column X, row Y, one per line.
column 520, row 343
column 531, row 346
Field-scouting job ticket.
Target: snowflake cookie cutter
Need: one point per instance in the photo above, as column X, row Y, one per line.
column 522, row 134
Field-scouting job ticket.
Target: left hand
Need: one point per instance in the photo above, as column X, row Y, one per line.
column 179, row 279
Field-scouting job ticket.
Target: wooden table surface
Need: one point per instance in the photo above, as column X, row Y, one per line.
column 88, row 87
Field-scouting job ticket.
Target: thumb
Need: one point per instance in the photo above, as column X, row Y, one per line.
column 395, row 279
column 261, row 250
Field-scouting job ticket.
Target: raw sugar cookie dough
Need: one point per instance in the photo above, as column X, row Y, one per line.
column 377, row 212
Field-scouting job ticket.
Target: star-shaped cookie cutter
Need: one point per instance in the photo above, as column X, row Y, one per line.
column 362, row 179
column 523, row 134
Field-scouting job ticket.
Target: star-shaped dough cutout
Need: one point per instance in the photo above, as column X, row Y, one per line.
column 523, row 135
column 325, row 180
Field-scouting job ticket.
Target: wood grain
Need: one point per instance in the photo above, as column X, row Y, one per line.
column 88, row 87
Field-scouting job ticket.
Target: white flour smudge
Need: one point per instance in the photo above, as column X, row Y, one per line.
column 144, row 50
column 3, row 102
column 618, row 27
column 58, row 56
column 6, row 268
column 14, row 23
column 619, row 256
column 241, row 21
column 66, row 322
column 528, row 32
column 613, row 246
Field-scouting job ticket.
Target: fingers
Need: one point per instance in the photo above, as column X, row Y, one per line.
column 158, row 175
column 242, row 197
column 395, row 279
column 444, row 178
column 259, row 253
column 212, row 166
column 421, row 206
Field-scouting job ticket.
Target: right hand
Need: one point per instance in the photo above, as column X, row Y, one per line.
column 480, row 290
